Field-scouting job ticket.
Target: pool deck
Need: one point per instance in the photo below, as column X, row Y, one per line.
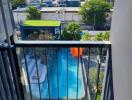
column 42, row 70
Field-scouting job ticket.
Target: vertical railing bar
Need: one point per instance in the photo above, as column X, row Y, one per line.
column 106, row 73
column 17, row 70
column 109, row 94
column 111, row 86
column 67, row 73
column 78, row 69
column 16, row 77
column 4, row 80
column 98, row 71
column 108, row 79
column 8, row 73
column 105, row 87
column 47, row 71
column 84, row 74
column 88, row 60
column 2, row 93
column 57, row 72
column 111, row 75
column 16, row 82
column 28, row 76
column 37, row 72
column 108, row 87
column 87, row 70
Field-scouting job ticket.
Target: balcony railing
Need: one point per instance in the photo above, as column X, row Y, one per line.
column 56, row 70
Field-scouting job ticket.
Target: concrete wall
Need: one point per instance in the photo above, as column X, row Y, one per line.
column 68, row 16
column 121, row 38
column 19, row 16
column 29, row 1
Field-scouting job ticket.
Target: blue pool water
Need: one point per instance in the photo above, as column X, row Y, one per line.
column 62, row 77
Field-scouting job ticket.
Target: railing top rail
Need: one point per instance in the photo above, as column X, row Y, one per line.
column 35, row 43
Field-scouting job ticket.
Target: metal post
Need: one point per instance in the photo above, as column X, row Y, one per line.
column 98, row 72
column 87, row 70
column 67, row 73
column 111, row 75
column 28, row 76
column 57, row 72
column 2, row 91
column 8, row 73
column 78, row 70
column 46, row 58
column 37, row 70
column 4, row 80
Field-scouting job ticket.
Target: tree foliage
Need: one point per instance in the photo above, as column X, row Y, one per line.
column 95, row 11
column 66, row 35
column 102, row 36
column 71, row 32
column 98, row 37
column 16, row 3
column 33, row 13
column 85, row 37
column 106, row 36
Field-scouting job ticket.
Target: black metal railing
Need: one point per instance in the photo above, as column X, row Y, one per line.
column 40, row 70
column 61, row 70
column 108, row 92
column 10, row 86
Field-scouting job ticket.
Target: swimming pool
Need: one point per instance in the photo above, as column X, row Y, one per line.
column 54, row 85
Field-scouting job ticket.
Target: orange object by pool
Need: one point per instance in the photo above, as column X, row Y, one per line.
column 76, row 52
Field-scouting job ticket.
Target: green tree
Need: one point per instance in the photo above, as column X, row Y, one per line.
column 66, row 35
column 106, row 36
column 72, row 32
column 85, row 37
column 16, row 3
column 95, row 11
column 98, row 37
column 33, row 13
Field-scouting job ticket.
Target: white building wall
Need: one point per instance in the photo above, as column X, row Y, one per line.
column 121, row 38
column 49, row 16
column 68, row 16
column 47, row 0
column 19, row 16
column 29, row 1
column 73, row 16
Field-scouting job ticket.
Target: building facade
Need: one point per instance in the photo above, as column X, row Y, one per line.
column 51, row 13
